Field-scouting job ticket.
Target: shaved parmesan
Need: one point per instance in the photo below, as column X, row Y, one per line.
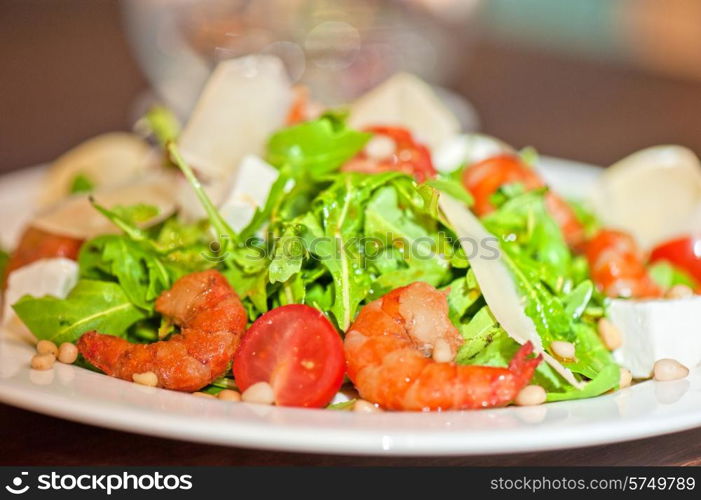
column 497, row 284
column 77, row 218
column 657, row 329
column 253, row 181
column 654, row 194
column 243, row 102
column 54, row 277
column 407, row 101
column 106, row 160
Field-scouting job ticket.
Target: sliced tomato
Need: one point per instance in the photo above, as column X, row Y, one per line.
column 297, row 351
column 684, row 253
column 484, row 178
column 617, row 266
column 408, row 156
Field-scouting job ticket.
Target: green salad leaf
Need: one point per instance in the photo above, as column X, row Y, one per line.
column 91, row 305
column 81, row 183
column 316, row 147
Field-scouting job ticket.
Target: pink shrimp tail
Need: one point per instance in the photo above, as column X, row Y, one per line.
column 102, row 351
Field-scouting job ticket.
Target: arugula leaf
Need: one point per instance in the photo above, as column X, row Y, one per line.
column 607, row 379
column 342, row 406
column 478, row 334
column 142, row 275
column 453, row 187
column 81, row 183
column 667, row 275
column 91, row 305
column 316, row 147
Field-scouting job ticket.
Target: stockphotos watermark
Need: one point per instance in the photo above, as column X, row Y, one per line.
column 442, row 246
column 102, row 483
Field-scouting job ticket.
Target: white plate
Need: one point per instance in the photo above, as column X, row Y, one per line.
column 645, row 410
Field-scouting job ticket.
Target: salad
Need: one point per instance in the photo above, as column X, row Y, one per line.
column 276, row 251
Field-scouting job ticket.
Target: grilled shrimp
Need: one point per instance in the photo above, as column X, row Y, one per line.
column 399, row 352
column 212, row 321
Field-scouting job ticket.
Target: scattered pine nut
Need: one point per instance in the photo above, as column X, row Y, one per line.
column 229, row 395
column 148, row 379
column 380, row 147
column 43, row 361
column 47, row 347
column 205, row 395
column 260, row 393
column 531, row 395
column 669, row 369
column 562, row 349
column 362, row 406
column 679, row 292
column 610, row 335
column 67, row 353
column 625, row 379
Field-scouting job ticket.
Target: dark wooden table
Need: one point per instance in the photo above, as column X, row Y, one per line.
column 67, row 74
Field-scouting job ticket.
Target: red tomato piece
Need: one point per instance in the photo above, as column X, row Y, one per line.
column 617, row 266
column 408, row 156
column 684, row 253
column 297, row 351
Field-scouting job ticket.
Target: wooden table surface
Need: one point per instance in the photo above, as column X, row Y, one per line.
column 67, row 74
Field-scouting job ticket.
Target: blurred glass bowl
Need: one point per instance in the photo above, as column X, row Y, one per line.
column 338, row 48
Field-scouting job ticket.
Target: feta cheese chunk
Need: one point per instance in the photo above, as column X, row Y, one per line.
column 656, row 329
column 55, row 277
column 254, row 179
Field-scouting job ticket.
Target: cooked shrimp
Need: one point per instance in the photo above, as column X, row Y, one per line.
column 212, row 320
column 388, row 351
column 617, row 266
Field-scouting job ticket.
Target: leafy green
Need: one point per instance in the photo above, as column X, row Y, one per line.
column 316, row 147
column 140, row 272
column 91, row 305
column 342, row 406
column 604, row 381
column 4, row 261
column 453, row 187
column 81, row 183
column 163, row 124
column 667, row 275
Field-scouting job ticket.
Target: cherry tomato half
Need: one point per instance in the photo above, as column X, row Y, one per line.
column 617, row 266
column 406, row 156
column 297, row 351
column 685, row 253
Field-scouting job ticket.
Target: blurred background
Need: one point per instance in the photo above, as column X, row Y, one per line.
column 591, row 80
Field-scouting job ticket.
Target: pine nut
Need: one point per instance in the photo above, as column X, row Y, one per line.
column 204, row 395
column 679, row 292
column 442, row 353
column 229, row 395
column 67, row 353
column 260, row 392
column 669, row 369
column 531, row 395
column 47, row 347
column 625, row 379
column 43, row 361
column 562, row 349
column 362, row 406
column 610, row 335
column 148, row 379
